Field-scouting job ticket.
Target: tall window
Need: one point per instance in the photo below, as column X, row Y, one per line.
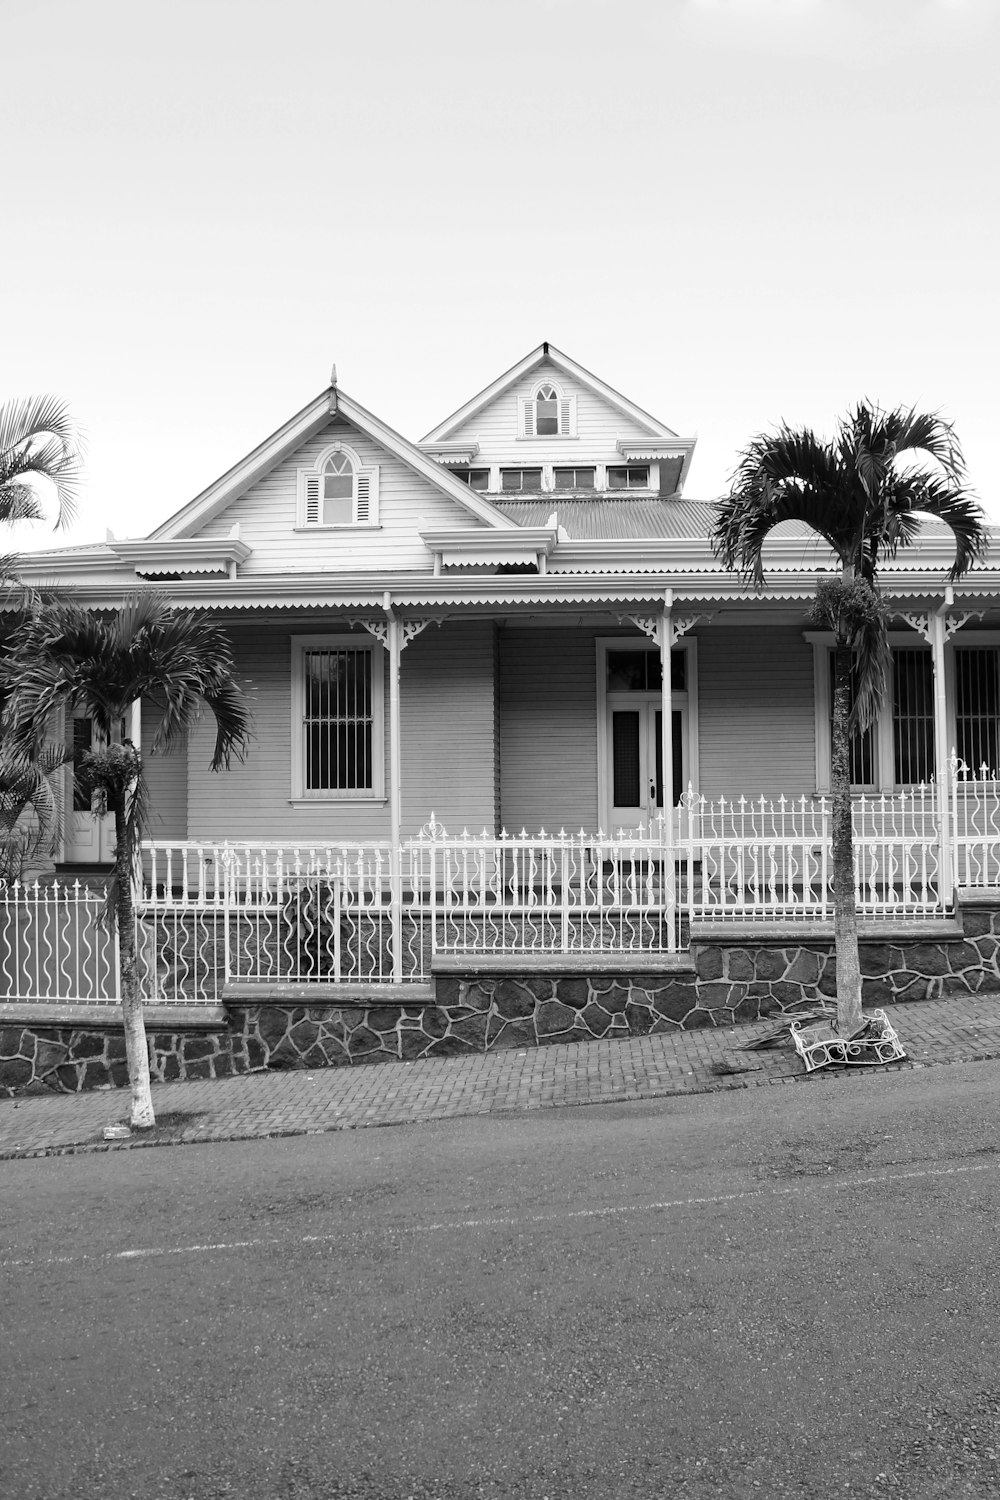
column 337, row 717
column 862, row 743
column 912, row 717
column 977, row 706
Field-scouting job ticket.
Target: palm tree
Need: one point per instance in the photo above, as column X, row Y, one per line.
column 38, row 440
column 67, row 657
column 864, row 494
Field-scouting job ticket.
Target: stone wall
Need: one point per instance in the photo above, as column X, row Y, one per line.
column 727, row 978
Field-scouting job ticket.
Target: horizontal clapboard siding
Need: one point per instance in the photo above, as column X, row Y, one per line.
column 598, row 428
column 755, row 718
column 446, row 697
column 548, row 730
column 446, row 726
column 266, row 516
column 166, row 778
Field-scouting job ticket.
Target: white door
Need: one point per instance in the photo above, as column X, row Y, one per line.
column 88, row 840
column 635, row 760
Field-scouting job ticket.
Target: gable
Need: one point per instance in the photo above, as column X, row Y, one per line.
column 581, row 420
column 272, row 519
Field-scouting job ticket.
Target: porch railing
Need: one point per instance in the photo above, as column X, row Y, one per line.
column 363, row 914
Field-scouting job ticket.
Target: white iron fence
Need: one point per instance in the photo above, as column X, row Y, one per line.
column 363, row 914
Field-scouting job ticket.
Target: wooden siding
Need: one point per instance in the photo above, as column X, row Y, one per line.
column 548, row 729
column 166, row 777
column 446, row 693
column 446, row 724
column 408, row 503
column 598, row 428
column 755, row 711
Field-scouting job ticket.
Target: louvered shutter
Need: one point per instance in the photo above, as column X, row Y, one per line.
column 567, row 416
column 367, row 507
column 311, row 500
column 527, row 418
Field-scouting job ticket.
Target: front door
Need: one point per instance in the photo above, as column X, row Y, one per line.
column 636, row 761
column 88, row 840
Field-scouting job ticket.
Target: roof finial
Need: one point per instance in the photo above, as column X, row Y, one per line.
column 333, row 376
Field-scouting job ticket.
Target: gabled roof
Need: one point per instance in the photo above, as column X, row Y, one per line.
column 310, row 420
column 548, row 354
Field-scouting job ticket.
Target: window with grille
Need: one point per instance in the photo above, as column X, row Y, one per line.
column 337, row 724
column 977, row 707
column 476, row 479
column 338, row 491
column 862, row 741
column 912, row 717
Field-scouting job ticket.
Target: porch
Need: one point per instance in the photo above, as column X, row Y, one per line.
column 359, row 920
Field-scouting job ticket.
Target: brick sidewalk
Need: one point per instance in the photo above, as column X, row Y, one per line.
column 257, row 1105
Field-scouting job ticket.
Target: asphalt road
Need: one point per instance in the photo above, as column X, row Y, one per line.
column 780, row 1292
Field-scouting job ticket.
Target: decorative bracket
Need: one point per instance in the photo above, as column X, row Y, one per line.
column 648, row 624
column 378, row 628
column 683, row 623
column 679, row 624
column 953, row 621
column 411, row 628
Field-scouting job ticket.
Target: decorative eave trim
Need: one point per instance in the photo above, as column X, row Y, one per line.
column 311, row 419
column 184, row 555
column 548, row 353
column 652, row 448
column 450, row 453
column 452, row 547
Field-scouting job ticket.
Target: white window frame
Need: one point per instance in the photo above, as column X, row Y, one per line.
column 526, row 408
column 823, row 644
column 309, row 504
column 353, row 642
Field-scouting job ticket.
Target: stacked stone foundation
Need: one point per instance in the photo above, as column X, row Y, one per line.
column 724, row 979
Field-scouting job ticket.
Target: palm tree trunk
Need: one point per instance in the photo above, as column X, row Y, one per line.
column 845, row 914
column 136, row 1050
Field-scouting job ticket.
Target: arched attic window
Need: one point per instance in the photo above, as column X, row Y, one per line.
column 338, row 491
column 548, row 413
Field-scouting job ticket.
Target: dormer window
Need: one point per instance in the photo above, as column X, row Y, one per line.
column 518, row 481
column 338, row 491
column 547, row 413
column 629, row 477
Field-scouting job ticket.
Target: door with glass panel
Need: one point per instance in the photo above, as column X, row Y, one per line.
column 634, row 738
column 87, row 839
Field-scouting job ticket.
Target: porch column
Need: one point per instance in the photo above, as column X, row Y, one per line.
column 135, row 735
column 395, row 792
column 937, row 635
column 666, row 641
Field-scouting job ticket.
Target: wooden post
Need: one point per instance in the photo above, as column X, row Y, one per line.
column 938, row 635
column 665, row 633
column 393, row 633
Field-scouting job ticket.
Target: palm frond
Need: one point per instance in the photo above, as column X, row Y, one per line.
column 39, row 437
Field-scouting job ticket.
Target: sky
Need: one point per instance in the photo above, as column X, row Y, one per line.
column 735, row 212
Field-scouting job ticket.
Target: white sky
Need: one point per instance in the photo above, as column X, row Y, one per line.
column 734, row 211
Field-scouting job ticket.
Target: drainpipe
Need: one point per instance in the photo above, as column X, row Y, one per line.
column 665, row 632
column 938, row 634
column 395, row 800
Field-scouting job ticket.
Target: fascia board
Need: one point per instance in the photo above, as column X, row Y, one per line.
column 194, row 554
column 319, row 592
